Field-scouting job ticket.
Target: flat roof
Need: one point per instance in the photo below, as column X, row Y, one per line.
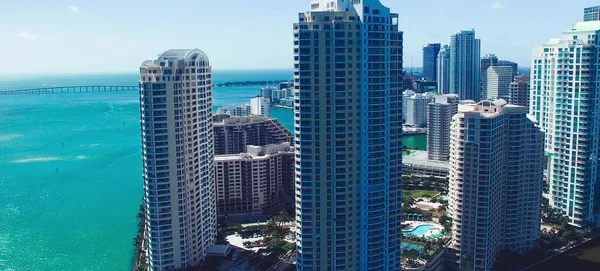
column 419, row 158
column 218, row 250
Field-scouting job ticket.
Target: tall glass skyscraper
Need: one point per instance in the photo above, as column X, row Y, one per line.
column 465, row 67
column 565, row 99
column 348, row 136
column 430, row 55
column 177, row 151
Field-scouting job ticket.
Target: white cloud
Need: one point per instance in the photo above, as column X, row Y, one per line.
column 27, row 36
column 498, row 5
column 73, row 8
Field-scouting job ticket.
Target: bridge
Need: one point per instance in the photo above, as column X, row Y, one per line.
column 71, row 89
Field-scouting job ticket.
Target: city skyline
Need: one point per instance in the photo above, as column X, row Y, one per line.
column 113, row 36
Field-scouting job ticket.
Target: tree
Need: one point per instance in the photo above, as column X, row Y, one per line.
column 407, row 203
column 442, row 208
column 282, row 218
column 411, row 254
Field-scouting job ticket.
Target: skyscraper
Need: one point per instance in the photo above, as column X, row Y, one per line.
column 496, row 170
column 513, row 65
column 348, row 123
column 233, row 135
column 519, row 91
column 465, row 65
column 177, row 149
column 443, row 70
column 486, row 61
column 439, row 117
column 430, row 55
column 591, row 14
column 498, row 82
column 564, row 99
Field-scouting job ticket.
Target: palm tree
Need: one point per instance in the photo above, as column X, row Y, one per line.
column 282, row 218
column 442, row 208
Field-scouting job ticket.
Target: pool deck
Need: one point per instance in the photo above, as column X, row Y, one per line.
column 414, row 224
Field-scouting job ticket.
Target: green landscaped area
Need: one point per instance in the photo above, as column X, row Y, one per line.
column 421, row 193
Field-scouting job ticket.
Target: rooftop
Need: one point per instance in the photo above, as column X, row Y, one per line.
column 419, row 158
column 586, row 27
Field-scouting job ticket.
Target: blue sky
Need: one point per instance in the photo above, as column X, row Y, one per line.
column 77, row 36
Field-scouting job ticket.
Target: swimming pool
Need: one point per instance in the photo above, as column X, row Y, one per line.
column 420, row 230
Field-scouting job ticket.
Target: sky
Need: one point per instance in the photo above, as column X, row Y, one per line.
column 105, row 36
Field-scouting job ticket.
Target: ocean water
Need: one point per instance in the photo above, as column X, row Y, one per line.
column 71, row 173
column 70, row 170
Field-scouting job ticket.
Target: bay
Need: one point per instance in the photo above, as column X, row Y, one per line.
column 71, row 173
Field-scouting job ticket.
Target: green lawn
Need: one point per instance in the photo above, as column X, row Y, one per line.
column 421, row 193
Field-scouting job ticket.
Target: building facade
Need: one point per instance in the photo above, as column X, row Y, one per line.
column 430, row 56
column 236, row 110
column 513, row 65
column 177, row 149
column 415, row 108
column 591, row 14
column 496, row 170
column 260, row 106
column 257, row 181
column 348, row 133
column 465, row 66
column 565, row 91
column 486, row 61
column 518, row 91
column 498, row 82
column 443, row 70
column 233, row 135
column 439, row 116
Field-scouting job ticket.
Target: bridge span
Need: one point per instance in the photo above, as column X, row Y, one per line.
column 70, row 89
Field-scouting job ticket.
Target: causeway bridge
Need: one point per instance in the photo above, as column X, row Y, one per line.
column 70, row 89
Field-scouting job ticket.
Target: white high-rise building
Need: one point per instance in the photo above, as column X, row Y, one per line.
column 348, row 136
column 498, row 81
column 496, row 170
column 177, row 149
column 443, row 70
column 439, row 116
column 465, row 65
column 565, row 89
column 415, row 105
column 260, row 106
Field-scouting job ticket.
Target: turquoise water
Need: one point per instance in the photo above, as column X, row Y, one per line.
column 83, row 216
column 420, row 230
